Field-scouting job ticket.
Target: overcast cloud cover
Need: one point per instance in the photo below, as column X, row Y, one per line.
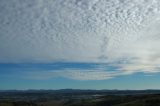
column 122, row 33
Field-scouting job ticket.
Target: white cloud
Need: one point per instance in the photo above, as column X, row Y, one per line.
column 109, row 31
column 99, row 72
column 74, row 74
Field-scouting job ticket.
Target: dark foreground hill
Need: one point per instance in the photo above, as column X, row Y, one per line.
column 69, row 97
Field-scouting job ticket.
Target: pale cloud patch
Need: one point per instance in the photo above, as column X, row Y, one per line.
column 75, row 74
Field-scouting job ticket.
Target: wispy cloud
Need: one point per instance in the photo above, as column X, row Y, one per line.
column 76, row 71
column 96, row 72
column 75, row 74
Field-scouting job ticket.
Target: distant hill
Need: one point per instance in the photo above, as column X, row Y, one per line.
column 81, row 91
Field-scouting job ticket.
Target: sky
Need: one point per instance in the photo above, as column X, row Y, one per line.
column 79, row 44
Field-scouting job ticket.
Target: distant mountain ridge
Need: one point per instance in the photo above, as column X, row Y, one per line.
column 89, row 91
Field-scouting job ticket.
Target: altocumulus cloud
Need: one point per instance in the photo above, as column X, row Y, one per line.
column 121, row 33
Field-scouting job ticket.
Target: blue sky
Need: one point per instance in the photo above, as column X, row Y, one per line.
column 12, row 77
column 88, row 44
